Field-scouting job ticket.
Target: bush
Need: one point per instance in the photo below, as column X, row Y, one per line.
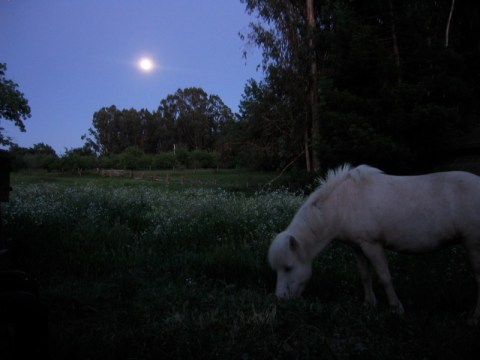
column 202, row 159
column 164, row 161
column 183, row 157
column 132, row 158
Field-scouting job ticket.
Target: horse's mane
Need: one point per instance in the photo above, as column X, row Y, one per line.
column 329, row 182
column 306, row 220
column 335, row 177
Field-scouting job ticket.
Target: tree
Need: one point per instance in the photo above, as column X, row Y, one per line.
column 398, row 79
column 150, row 131
column 13, row 105
column 77, row 160
column 194, row 118
column 312, row 88
column 291, row 39
column 115, row 130
column 43, row 149
column 103, row 131
column 399, row 109
column 267, row 135
column 39, row 156
column 189, row 117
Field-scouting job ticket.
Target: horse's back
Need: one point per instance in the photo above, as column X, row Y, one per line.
column 414, row 213
column 449, row 190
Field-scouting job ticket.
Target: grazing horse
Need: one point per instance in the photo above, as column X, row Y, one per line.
column 372, row 212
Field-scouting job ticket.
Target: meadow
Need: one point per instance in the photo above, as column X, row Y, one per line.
column 145, row 270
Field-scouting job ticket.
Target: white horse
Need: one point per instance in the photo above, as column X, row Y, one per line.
column 372, row 211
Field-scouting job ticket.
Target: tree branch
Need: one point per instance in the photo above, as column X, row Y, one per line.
column 447, row 31
column 286, row 167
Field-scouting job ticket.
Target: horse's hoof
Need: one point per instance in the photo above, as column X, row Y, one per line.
column 370, row 302
column 473, row 321
column 397, row 309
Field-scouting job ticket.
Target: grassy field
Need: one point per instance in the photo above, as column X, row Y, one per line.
column 139, row 269
column 232, row 180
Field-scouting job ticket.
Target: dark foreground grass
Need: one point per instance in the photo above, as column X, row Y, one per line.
column 140, row 272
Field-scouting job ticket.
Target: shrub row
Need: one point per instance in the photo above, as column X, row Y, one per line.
column 130, row 159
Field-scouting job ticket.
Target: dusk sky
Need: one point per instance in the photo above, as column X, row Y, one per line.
column 70, row 58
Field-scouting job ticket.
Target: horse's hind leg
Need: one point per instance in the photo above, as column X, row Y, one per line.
column 476, row 313
column 474, row 255
column 366, row 276
column 376, row 254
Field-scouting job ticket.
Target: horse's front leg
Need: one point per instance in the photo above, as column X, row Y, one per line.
column 366, row 275
column 376, row 254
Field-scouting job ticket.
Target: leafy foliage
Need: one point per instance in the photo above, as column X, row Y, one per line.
column 13, row 105
column 198, row 118
column 392, row 91
column 189, row 118
column 267, row 132
column 43, row 157
column 39, row 156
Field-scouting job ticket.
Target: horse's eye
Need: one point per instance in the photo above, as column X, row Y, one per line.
column 287, row 269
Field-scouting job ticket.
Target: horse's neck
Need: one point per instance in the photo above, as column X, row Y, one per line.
column 312, row 230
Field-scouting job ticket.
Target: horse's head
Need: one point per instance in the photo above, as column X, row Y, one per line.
column 287, row 257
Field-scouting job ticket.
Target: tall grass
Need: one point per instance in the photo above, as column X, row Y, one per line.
column 141, row 272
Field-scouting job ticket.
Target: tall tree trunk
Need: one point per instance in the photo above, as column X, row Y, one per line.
column 447, row 31
column 396, row 52
column 306, row 140
column 313, row 88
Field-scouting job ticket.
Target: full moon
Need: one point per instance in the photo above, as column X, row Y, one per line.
column 145, row 64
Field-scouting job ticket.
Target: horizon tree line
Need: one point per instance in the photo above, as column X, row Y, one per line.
column 390, row 83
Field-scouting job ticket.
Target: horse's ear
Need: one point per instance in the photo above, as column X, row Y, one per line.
column 292, row 244
column 317, row 204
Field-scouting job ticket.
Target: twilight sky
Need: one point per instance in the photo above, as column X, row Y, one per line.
column 72, row 57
